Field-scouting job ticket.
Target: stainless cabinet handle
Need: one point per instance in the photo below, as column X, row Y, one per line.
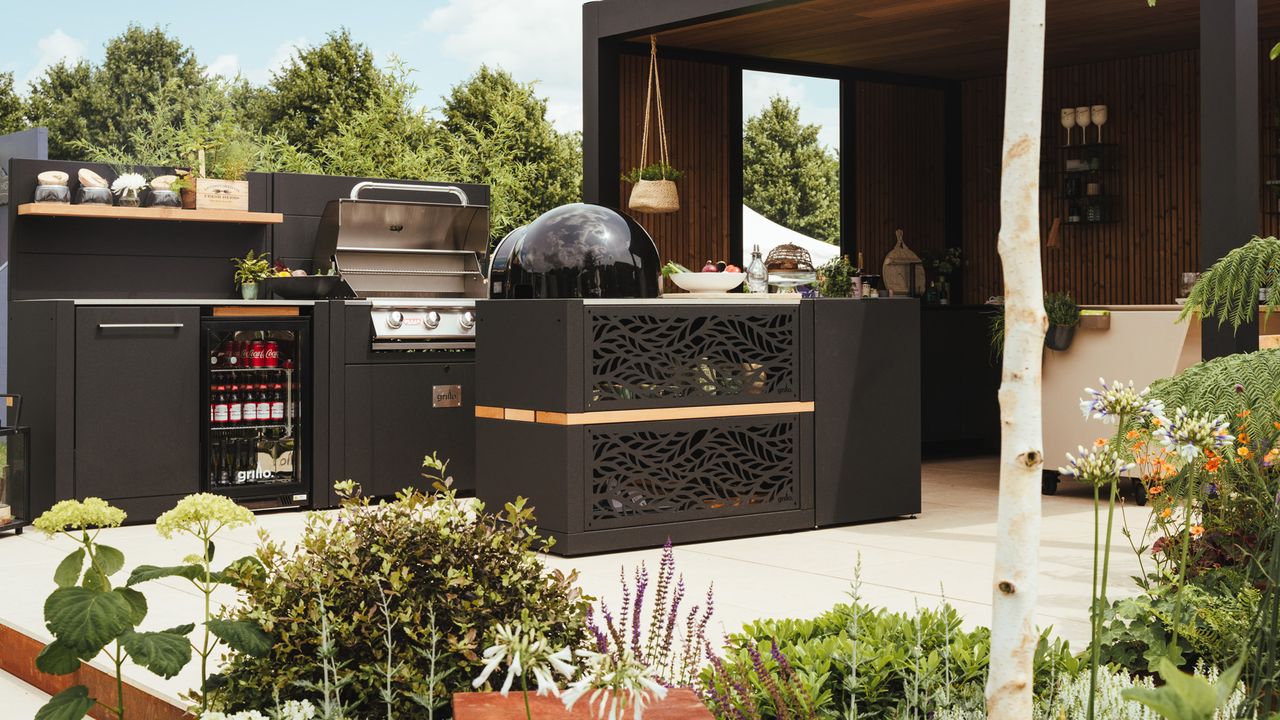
column 114, row 326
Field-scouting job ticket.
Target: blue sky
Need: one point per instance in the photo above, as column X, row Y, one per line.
column 443, row 40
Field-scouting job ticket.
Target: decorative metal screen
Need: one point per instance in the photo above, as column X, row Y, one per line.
column 692, row 470
column 649, row 357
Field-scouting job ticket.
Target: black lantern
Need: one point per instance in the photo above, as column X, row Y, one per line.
column 15, row 468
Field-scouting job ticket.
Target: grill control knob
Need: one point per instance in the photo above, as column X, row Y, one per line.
column 432, row 320
column 395, row 319
column 468, row 320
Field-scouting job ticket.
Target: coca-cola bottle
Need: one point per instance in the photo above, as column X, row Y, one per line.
column 263, row 399
column 249, row 402
column 277, row 403
column 235, row 406
column 220, row 410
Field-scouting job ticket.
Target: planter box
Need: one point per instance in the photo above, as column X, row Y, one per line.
column 212, row 194
column 680, row 704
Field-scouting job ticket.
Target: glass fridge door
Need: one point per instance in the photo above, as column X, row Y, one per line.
column 254, row 443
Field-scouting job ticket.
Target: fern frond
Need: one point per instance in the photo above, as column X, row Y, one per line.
column 1228, row 291
column 1211, row 387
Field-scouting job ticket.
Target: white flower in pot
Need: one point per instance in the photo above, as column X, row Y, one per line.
column 127, row 186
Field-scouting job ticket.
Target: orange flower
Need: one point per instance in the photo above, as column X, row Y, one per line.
column 1155, row 490
column 1243, row 452
column 1243, row 413
column 1196, row 531
column 1157, row 422
column 1212, row 465
column 1243, row 438
column 1100, row 442
column 1208, row 453
column 1132, row 434
column 1165, row 513
column 1277, row 424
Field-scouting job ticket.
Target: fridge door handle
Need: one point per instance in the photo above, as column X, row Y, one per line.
column 139, row 326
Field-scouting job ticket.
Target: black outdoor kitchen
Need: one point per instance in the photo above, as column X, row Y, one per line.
column 549, row 365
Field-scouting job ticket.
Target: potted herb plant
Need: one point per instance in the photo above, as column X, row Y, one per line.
column 655, row 188
column 836, row 277
column 250, row 271
column 1064, row 316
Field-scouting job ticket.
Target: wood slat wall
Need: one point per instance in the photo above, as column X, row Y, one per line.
column 1153, row 114
column 696, row 99
column 1269, row 108
column 900, row 181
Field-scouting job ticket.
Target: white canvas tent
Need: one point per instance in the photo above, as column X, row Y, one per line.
column 760, row 230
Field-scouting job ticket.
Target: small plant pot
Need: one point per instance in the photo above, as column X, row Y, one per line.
column 130, row 200
column 249, row 291
column 188, row 198
column 165, row 199
column 1059, row 337
column 94, row 196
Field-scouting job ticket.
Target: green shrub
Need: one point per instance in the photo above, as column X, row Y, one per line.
column 900, row 663
column 444, row 565
column 1061, row 309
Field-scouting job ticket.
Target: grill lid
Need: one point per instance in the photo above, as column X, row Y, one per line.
column 387, row 248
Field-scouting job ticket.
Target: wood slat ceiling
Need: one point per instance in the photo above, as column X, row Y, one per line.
column 948, row 38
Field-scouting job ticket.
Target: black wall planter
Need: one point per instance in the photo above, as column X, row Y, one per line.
column 1059, row 337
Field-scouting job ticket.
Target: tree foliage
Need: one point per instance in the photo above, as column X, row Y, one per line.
column 11, row 110
column 787, row 175
column 107, row 105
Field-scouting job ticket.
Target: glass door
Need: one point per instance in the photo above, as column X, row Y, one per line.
column 254, row 444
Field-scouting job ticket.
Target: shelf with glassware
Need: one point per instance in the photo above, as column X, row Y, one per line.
column 1087, row 185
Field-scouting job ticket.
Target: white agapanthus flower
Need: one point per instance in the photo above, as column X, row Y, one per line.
column 522, row 651
column 1190, row 433
column 615, row 685
column 1117, row 401
column 1097, row 465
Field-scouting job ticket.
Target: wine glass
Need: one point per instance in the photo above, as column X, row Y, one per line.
column 1068, row 116
column 1099, row 115
column 1082, row 119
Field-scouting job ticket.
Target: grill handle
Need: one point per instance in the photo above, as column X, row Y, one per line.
column 453, row 190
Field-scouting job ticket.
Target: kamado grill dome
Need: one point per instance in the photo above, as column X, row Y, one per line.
column 577, row 251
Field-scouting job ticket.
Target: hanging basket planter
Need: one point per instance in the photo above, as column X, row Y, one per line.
column 655, row 188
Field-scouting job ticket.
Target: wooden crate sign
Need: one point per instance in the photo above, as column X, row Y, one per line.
column 213, row 194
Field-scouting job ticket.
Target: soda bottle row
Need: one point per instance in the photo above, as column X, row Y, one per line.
column 258, row 353
column 247, row 404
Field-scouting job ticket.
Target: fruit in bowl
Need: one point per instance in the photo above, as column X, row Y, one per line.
column 714, row 278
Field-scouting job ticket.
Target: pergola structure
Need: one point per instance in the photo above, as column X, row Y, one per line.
column 1194, row 110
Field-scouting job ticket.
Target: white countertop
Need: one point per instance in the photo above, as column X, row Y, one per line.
column 178, row 301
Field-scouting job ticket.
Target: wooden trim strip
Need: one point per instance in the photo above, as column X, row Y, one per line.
column 255, row 311
column 698, row 412
column 19, row 660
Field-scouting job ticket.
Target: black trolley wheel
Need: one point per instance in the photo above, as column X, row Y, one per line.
column 1049, row 482
column 1139, row 492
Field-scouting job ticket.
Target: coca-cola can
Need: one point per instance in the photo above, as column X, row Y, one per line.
column 245, row 360
column 258, row 354
column 272, row 354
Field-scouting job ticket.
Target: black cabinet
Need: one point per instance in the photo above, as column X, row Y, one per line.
column 398, row 413
column 136, row 395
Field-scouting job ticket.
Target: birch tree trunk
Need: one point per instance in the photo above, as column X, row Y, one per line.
column 1013, row 634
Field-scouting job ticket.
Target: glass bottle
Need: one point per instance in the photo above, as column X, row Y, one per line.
column 757, row 274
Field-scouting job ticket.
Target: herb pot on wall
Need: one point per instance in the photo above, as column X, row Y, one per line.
column 1059, row 337
column 655, row 190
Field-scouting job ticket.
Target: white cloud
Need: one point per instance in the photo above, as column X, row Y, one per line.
column 279, row 59
column 54, row 48
column 758, row 88
column 227, row 66
column 532, row 39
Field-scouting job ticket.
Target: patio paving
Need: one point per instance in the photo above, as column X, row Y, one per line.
column 947, row 550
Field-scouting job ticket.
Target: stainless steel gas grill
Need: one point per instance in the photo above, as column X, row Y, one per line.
column 419, row 264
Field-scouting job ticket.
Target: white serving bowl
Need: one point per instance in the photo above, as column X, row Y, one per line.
column 701, row 282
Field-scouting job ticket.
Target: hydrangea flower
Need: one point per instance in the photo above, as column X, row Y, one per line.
column 79, row 515
column 1098, row 464
column 615, row 685
column 523, row 650
column 1118, row 401
column 1191, row 433
column 202, row 515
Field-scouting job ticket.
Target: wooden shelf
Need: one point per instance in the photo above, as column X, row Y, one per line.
column 149, row 213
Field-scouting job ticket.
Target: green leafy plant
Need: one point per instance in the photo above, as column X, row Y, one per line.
column 1061, row 309
column 656, row 171
column 87, row 616
column 835, row 277
column 203, row 516
column 449, row 571
column 1184, row 696
column 1228, row 291
column 252, row 268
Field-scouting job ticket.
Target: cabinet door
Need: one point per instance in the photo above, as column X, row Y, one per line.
column 137, row 391
column 392, row 421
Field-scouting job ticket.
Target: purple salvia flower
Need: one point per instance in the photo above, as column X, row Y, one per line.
column 642, row 583
column 668, row 633
column 602, row 641
column 613, row 629
column 766, row 679
column 725, row 678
